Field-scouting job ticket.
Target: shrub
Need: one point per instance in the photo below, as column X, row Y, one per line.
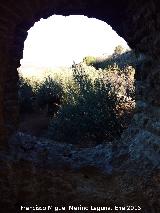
column 91, row 113
column 89, row 60
column 25, row 94
column 46, row 90
column 128, row 58
column 93, row 102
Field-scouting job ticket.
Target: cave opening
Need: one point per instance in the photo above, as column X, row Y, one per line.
column 35, row 171
column 76, row 81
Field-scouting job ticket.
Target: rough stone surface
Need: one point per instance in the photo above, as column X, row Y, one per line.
column 127, row 174
column 41, row 171
column 54, row 154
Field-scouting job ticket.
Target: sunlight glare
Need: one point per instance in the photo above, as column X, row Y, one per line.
column 59, row 40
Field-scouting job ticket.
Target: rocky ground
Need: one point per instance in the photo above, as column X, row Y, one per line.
column 37, row 171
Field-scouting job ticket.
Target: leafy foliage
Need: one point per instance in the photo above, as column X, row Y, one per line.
column 128, row 58
column 96, row 104
column 46, row 90
column 118, row 50
column 25, row 94
column 89, row 60
column 92, row 115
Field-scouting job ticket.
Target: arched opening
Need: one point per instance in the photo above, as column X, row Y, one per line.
column 68, row 60
column 125, row 173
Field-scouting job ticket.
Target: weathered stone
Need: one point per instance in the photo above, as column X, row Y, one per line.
column 111, row 173
column 138, row 22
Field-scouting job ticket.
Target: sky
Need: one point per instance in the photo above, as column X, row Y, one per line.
column 60, row 40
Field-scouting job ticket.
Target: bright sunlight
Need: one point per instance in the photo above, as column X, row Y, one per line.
column 59, row 40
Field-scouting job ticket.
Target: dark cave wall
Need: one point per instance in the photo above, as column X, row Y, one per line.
column 136, row 21
column 22, row 182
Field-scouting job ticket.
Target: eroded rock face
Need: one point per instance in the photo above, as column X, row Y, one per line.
column 44, row 172
column 127, row 173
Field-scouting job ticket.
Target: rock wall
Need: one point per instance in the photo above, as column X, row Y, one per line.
column 41, row 172
column 138, row 22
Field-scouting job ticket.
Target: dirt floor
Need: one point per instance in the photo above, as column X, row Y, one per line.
column 35, row 123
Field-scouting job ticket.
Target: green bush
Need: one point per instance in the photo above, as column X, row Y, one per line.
column 92, row 101
column 25, row 94
column 46, row 90
column 37, row 94
column 128, row 58
column 89, row 60
column 90, row 114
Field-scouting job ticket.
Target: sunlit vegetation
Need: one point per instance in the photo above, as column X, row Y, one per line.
column 92, row 102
